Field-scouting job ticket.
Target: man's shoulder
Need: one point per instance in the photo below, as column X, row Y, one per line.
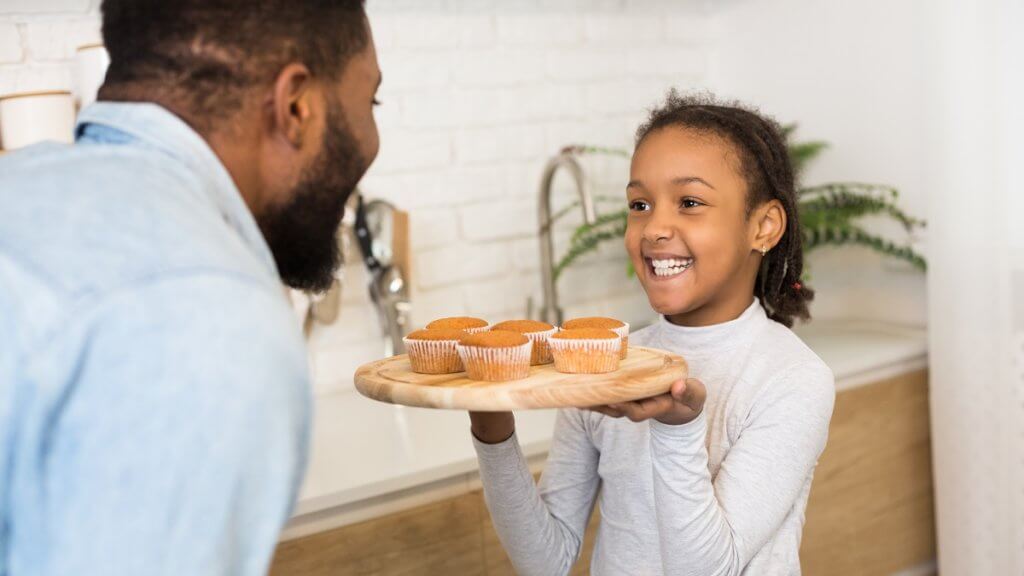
column 201, row 311
column 90, row 218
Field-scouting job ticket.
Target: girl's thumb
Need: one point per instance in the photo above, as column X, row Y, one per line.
column 679, row 390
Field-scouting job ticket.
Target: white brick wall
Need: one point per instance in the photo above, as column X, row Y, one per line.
column 477, row 95
column 60, row 8
column 38, row 39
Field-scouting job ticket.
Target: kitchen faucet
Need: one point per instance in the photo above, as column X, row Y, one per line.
column 550, row 311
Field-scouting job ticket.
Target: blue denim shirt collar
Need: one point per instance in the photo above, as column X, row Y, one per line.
column 156, row 126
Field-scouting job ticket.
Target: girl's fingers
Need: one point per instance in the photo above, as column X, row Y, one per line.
column 690, row 393
column 647, row 408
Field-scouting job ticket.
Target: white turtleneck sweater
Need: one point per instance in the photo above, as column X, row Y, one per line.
column 723, row 494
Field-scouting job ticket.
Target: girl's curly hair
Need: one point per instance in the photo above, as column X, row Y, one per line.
column 764, row 159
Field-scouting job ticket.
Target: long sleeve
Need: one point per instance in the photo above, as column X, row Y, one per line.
column 716, row 528
column 542, row 528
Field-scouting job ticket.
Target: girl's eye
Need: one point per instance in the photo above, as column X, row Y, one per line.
column 690, row 203
column 639, row 206
column 376, row 102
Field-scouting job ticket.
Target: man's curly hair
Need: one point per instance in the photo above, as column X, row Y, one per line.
column 206, row 53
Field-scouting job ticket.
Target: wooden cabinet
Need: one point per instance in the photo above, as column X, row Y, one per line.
column 454, row 537
column 871, row 510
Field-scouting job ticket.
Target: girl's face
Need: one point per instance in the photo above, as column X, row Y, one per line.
column 688, row 234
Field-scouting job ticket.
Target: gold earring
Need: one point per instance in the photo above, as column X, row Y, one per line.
column 764, row 250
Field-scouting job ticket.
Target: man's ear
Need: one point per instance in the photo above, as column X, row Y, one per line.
column 291, row 105
column 769, row 222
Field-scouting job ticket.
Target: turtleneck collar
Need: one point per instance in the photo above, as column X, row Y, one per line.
column 717, row 337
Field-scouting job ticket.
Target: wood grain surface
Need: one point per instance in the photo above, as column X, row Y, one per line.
column 645, row 372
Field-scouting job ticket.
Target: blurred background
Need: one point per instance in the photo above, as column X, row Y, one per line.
column 502, row 117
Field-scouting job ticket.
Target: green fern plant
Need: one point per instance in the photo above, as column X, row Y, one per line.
column 829, row 213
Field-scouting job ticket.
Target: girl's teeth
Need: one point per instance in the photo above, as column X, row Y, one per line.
column 671, row 267
column 672, row 263
column 669, row 271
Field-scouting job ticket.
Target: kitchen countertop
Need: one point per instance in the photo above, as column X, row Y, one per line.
column 369, row 459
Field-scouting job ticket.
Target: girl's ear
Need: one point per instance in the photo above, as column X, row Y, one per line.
column 769, row 223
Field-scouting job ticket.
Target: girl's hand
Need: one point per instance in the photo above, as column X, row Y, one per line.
column 492, row 427
column 681, row 404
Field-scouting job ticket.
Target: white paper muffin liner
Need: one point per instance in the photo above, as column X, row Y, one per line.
column 433, row 356
column 496, row 364
column 623, row 332
column 586, row 356
column 541, row 353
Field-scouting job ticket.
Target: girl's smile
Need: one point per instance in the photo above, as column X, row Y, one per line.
column 664, row 266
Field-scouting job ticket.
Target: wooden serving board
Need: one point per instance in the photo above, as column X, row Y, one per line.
column 645, row 372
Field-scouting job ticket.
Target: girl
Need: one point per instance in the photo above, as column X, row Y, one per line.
column 710, row 478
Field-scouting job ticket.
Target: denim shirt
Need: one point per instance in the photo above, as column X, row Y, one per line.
column 154, row 390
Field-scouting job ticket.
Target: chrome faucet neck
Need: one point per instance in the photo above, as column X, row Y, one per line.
column 550, row 311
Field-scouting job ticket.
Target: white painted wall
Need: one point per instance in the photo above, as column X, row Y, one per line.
column 851, row 73
column 976, row 317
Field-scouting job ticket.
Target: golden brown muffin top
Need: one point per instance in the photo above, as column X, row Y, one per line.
column 437, row 334
column 585, row 334
column 458, row 323
column 494, row 339
column 593, row 322
column 523, row 326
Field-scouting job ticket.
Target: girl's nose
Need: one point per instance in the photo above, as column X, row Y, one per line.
column 659, row 227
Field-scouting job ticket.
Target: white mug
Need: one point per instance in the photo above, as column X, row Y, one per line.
column 91, row 62
column 36, row 116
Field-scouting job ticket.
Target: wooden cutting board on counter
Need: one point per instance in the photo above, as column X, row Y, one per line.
column 645, row 372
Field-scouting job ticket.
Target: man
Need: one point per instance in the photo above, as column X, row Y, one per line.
column 154, row 396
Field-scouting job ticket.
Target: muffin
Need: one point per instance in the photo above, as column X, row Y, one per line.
column 537, row 332
column 433, row 351
column 617, row 326
column 495, row 355
column 586, row 350
column 470, row 325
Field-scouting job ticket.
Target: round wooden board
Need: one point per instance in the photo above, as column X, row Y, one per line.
column 645, row 372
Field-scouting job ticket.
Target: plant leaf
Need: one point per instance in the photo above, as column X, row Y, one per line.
column 602, row 220
column 849, row 200
column 801, row 154
column 845, row 235
column 585, row 243
column 597, row 150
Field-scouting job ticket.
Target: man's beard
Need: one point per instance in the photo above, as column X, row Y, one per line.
column 302, row 233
